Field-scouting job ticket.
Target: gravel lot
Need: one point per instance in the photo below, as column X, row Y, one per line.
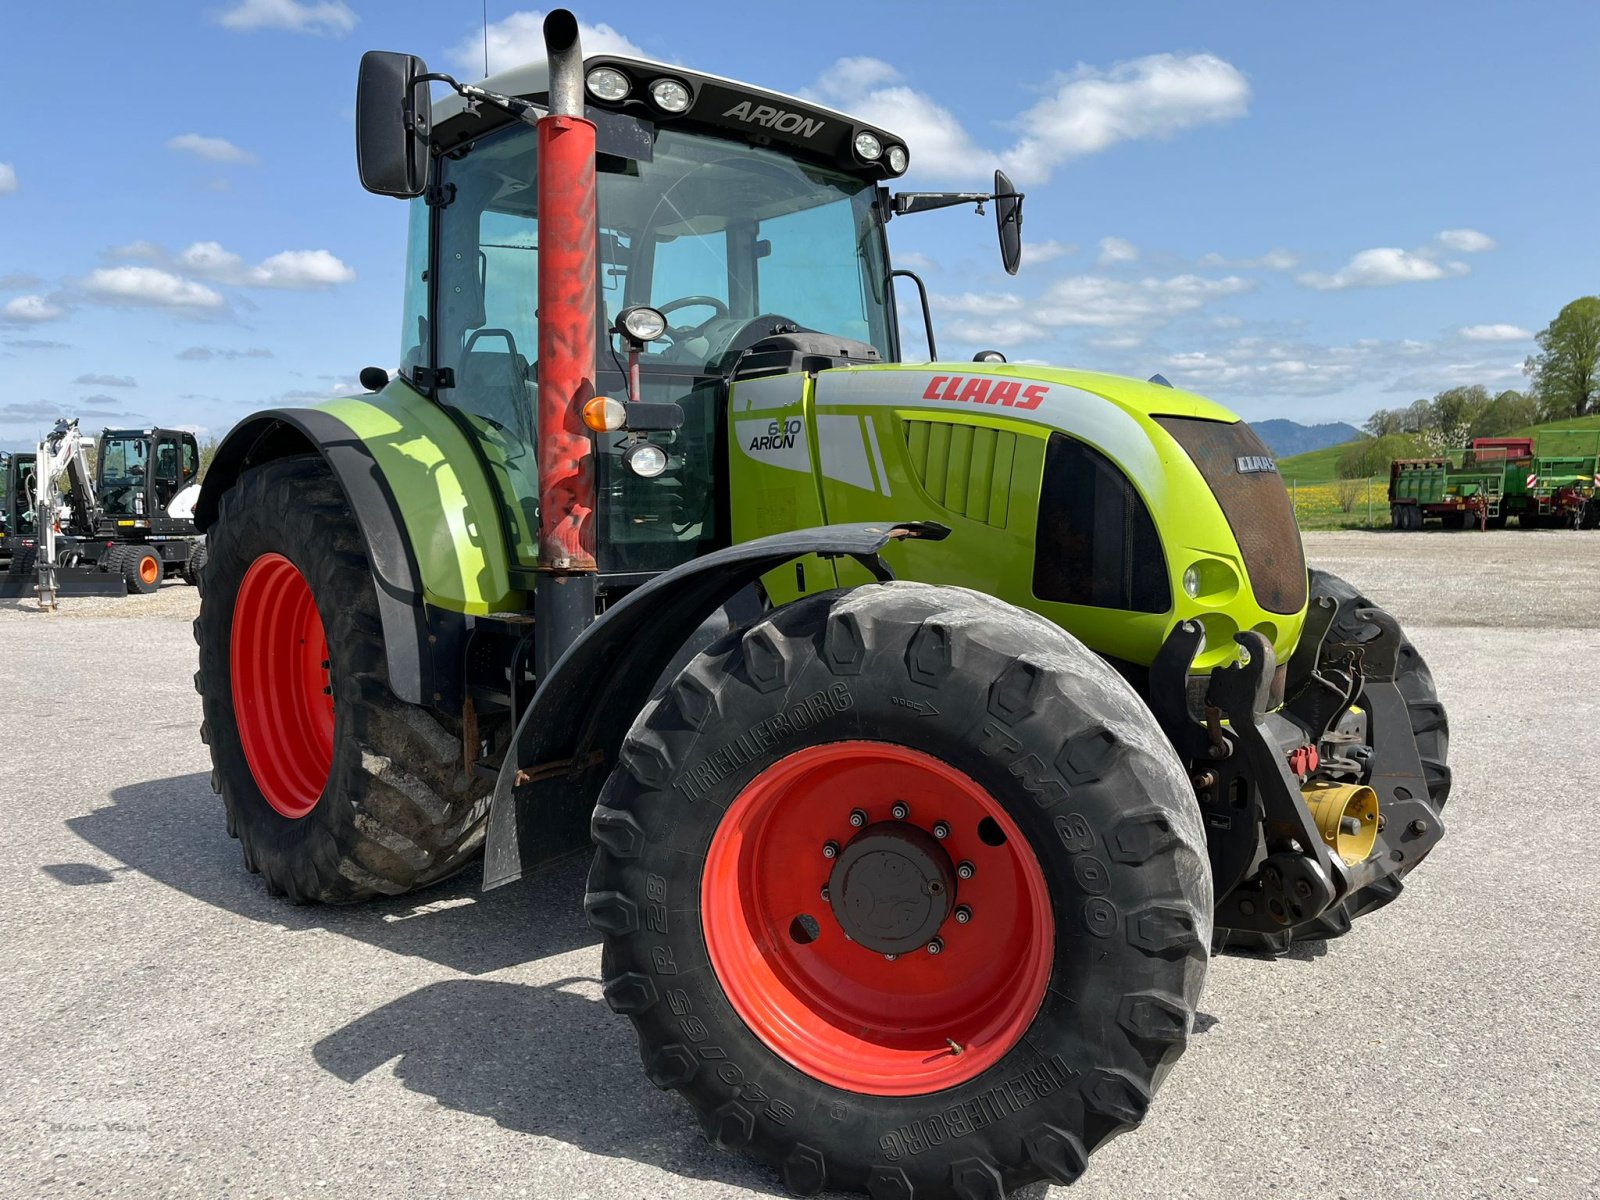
column 168, row 1029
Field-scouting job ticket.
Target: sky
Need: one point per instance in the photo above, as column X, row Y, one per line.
column 1301, row 210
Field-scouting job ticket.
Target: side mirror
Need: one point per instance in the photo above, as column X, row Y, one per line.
column 394, row 118
column 1008, row 219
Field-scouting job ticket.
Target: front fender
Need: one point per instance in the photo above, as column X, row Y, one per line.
column 280, row 432
column 568, row 739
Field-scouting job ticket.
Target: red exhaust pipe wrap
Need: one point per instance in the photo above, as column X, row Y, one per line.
column 567, row 291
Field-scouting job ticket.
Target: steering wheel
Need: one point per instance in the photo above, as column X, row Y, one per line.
column 719, row 309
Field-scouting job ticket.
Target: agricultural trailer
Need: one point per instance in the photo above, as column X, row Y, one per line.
column 1545, row 482
column 928, row 723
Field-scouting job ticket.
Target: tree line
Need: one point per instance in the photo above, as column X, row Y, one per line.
column 1564, row 382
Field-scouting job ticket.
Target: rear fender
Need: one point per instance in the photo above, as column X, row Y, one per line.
column 568, row 740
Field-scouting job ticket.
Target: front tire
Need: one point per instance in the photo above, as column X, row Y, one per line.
column 1050, row 844
column 336, row 790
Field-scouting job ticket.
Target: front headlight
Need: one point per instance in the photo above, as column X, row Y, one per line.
column 868, row 145
column 642, row 323
column 645, row 459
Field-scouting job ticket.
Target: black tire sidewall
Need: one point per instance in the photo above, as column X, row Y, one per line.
column 1101, row 906
column 265, row 527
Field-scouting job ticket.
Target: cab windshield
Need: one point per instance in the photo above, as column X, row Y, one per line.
column 729, row 240
column 124, row 463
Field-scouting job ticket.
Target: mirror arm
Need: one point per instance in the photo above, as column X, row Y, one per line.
column 473, row 94
column 905, row 203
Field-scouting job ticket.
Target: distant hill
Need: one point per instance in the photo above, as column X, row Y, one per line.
column 1286, row 438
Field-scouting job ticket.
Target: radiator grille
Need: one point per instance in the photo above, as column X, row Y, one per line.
column 1255, row 502
column 965, row 468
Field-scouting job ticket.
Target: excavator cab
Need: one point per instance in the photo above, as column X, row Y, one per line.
column 141, row 471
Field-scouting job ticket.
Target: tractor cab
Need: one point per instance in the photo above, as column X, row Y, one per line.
column 745, row 230
column 141, row 473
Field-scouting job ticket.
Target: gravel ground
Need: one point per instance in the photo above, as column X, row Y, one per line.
column 168, row 1029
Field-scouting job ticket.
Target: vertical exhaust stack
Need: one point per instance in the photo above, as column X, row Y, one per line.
column 564, row 598
column 566, row 308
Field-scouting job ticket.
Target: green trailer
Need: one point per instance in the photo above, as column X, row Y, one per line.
column 1546, row 481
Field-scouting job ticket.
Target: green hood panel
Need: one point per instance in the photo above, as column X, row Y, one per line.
column 965, row 444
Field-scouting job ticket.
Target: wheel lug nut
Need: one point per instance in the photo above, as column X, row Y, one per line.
column 965, row 870
column 963, row 914
column 824, row 891
column 857, row 818
column 936, row 947
column 941, row 830
column 901, row 810
column 830, row 849
column 891, row 957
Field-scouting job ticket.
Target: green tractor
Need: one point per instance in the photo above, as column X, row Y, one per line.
column 929, row 724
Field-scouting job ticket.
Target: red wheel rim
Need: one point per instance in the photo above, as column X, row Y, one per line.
column 837, row 1010
column 149, row 569
column 282, row 700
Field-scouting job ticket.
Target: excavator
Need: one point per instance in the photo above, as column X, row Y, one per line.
column 121, row 526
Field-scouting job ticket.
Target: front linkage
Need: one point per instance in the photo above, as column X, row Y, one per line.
column 1258, row 764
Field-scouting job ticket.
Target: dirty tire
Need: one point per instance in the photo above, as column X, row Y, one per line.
column 399, row 809
column 1045, row 730
column 1429, row 725
column 195, row 565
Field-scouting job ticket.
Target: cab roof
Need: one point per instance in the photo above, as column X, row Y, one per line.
column 723, row 106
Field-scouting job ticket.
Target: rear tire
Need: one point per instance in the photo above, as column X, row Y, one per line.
column 398, row 810
column 1429, row 725
column 1098, row 803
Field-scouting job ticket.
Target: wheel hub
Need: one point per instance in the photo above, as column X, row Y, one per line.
column 892, row 887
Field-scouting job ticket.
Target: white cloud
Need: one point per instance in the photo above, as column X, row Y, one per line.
column 152, row 287
column 1152, row 97
column 1089, row 110
column 301, row 269
column 207, row 353
column 1081, row 301
column 1272, row 260
column 146, row 251
column 332, row 18
column 519, row 39
column 1383, row 267
column 1466, row 241
column 290, row 270
column 212, row 149
column 31, row 310
column 1117, row 250
column 913, row 261
column 1036, row 254
column 8, row 178
column 1496, row 333
column 127, row 381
